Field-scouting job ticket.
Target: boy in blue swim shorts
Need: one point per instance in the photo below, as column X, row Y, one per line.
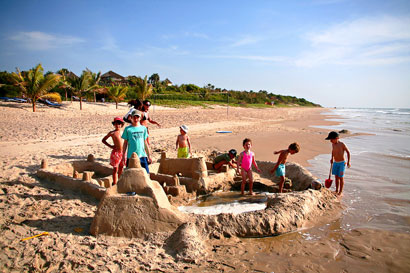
column 338, row 160
column 279, row 168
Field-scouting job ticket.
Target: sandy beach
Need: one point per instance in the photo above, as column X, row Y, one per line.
column 29, row 206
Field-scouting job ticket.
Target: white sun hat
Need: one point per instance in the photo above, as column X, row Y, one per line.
column 184, row 128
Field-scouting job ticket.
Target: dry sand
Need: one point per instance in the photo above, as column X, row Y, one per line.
column 29, row 206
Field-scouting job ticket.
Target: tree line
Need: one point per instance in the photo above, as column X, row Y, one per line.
column 34, row 84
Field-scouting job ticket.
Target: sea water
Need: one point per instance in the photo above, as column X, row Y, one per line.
column 377, row 186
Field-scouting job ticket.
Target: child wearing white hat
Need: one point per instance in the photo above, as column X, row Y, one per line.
column 183, row 145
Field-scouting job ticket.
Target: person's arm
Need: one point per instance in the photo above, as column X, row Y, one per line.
column 239, row 162
column 189, row 145
column 147, row 151
column 124, row 148
column 176, row 144
column 153, row 122
column 348, row 155
column 254, row 163
column 278, row 163
column 104, row 140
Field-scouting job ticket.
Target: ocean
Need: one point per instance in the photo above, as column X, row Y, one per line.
column 377, row 186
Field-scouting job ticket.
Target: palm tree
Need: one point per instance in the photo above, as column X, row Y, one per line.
column 143, row 89
column 64, row 75
column 117, row 93
column 81, row 85
column 33, row 83
column 95, row 80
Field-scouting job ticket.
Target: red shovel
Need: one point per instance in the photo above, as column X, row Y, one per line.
column 328, row 182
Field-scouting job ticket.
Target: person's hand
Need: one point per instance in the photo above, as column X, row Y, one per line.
column 259, row 170
column 348, row 164
column 331, row 161
column 271, row 171
column 149, row 160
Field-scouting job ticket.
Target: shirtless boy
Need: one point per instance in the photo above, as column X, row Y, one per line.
column 338, row 160
column 279, row 168
column 183, row 145
column 116, row 159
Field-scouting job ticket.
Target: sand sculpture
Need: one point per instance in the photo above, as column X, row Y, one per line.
column 138, row 205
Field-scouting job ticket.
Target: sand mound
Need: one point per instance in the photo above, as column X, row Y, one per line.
column 284, row 213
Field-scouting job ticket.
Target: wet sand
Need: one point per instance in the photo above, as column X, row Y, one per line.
column 29, row 206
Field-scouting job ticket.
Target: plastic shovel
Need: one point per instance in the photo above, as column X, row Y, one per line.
column 328, row 182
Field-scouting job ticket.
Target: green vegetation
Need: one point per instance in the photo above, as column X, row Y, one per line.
column 33, row 84
column 95, row 87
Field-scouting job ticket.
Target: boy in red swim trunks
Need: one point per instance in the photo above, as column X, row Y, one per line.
column 117, row 159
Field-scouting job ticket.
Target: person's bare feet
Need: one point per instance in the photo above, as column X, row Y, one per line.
column 251, row 193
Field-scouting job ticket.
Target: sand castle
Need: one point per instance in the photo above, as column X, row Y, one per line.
column 139, row 206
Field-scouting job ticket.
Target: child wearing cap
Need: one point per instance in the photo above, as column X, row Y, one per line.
column 338, row 160
column 135, row 140
column 183, row 145
column 117, row 159
column 225, row 159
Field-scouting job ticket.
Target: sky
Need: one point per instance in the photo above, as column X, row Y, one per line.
column 338, row 53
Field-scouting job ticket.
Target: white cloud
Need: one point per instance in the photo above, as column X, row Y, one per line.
column 247, row 40
column 251, row 58
column 376, row 40
column 36, row 40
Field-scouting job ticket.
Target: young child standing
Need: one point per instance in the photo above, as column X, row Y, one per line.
column 135, row 140
column 279, row 168
column 184, row 149
column 246, row 160
column 338, row 160
column 116, row 159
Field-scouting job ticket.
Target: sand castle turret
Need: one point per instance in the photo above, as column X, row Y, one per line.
column 135, row 207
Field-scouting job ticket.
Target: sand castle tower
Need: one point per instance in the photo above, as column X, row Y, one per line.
column 135, row 207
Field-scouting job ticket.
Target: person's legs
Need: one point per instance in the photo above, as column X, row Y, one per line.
column 244, row 175
column 250, row 177
column 342, row 182
column 282, row 181
column 218, row 166
column 337, row 179
column 114, row 175
column 144, row 163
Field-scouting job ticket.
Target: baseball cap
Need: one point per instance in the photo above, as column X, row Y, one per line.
column 232, row 152
column 184, row 128
column 332, row 135
column 136, row 113
column 118, row 119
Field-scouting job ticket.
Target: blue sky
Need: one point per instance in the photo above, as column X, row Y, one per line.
column 344, row 53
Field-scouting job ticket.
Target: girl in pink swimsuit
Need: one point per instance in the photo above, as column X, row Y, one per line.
column 246, row 159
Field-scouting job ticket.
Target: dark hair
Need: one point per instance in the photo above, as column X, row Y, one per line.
column 135, row 103
column 295, row 147
column 246, row 140
column 118, row 122
column 147, row 102
column 232, row 152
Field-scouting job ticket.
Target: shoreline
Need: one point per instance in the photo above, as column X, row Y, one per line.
column 29, row 206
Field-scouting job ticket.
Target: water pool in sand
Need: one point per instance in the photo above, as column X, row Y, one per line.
column 226, row 202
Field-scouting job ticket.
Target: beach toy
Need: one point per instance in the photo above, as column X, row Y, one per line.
column 224, row 132
column 328, row 182
column 42, row 234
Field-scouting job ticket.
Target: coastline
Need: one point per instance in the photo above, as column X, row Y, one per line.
column 29, row 207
